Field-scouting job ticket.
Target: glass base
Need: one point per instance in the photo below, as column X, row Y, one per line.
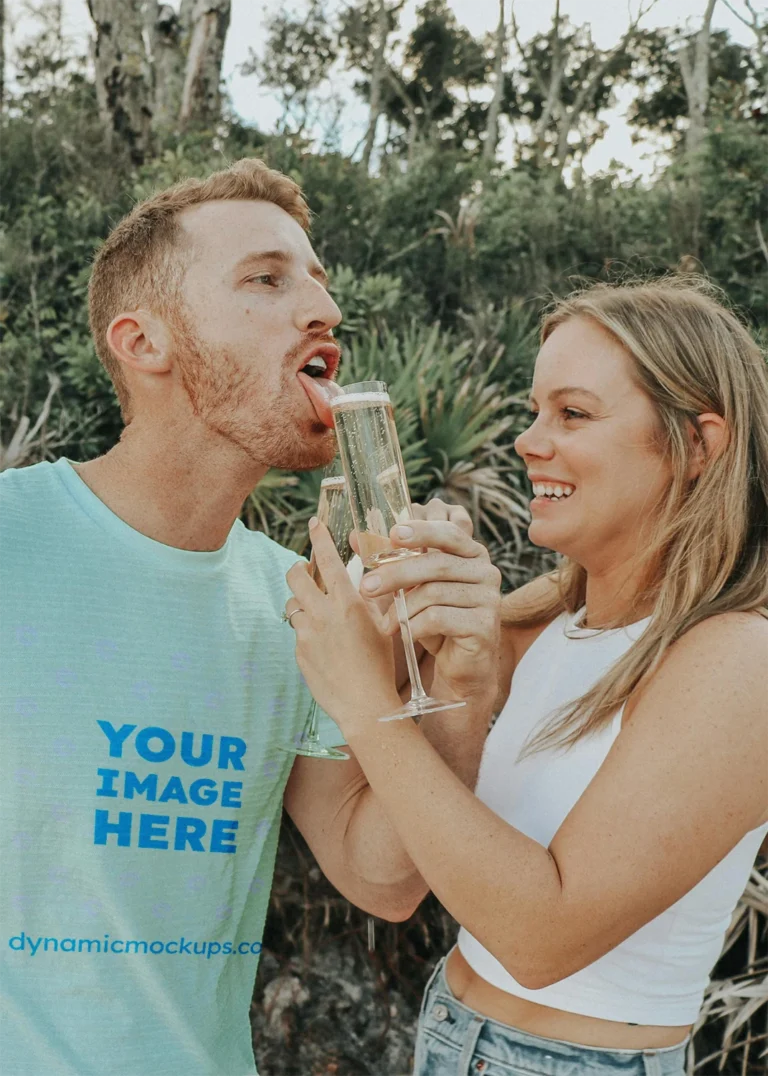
column 418, row 707
column 314, row 749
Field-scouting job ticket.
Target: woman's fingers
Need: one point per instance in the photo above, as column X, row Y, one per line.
column 473, row 629
column 452, row 513
column 464, row 598
column 303, row 588
column 430, row 567
column 443, row 534
column 329, row 563
column 457, row 595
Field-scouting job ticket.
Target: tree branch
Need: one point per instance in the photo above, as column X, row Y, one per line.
column 761, row 240
column 753, row 23
column 492, row 128
column 536, row 70
column 589, row 87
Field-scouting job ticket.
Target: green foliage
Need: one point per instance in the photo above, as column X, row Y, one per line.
column 577, row 57
column 298, row 54
column 440, row 263
column 736, row 86
column 372, row 301
column 446, row 62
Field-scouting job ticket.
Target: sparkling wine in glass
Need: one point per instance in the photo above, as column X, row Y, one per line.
column 333, row 511
column 378, row 498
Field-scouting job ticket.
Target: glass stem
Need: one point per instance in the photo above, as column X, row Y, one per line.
column 311, row 726
column 417, row 689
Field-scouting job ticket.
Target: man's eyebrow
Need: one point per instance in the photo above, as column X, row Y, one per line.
column 569, row 390
column 281, row 257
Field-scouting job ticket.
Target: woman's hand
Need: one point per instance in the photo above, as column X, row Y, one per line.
column 453, row 604
column 452, row 595
column 342, row 649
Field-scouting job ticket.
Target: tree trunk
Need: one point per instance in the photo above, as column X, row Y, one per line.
column 377, row 78
column 410, row 111
column 201, row 92
column 166, row 33
column 2, row 52
column 694, row 67
column 554, row 89
column 122, row 75
column 492, row 129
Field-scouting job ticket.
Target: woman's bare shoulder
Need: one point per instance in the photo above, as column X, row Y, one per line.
column 730, row 637
column 723, row 656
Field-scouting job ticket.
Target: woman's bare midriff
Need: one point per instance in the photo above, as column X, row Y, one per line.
column 476, row 993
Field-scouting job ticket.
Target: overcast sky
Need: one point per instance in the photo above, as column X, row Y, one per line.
column 608, row 19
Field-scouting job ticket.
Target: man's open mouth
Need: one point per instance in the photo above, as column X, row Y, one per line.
column 316, row 367
column 316, row 377
column 323, row 362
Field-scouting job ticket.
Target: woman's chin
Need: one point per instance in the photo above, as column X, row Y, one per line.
column 542, row 533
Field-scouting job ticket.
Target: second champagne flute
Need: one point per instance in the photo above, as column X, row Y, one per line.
column 333, row 511
column 378, row 498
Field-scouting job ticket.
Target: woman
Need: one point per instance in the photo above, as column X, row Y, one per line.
column 623, row 791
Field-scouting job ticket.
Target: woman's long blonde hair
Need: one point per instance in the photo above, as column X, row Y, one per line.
column 709, row 553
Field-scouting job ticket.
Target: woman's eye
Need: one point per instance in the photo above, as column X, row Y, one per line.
column 571, row 413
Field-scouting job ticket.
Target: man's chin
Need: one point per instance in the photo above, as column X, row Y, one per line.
column 316, row 452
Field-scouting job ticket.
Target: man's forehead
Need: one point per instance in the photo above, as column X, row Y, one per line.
column 235, row 227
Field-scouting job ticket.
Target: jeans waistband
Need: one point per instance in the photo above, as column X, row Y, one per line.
column 445, row 1016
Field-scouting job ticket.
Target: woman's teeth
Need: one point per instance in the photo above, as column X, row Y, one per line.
column 556, row 493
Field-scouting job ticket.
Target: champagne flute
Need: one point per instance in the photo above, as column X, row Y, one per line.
column 333, row 511
column 378, row 498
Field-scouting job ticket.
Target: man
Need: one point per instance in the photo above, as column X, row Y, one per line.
column 149, row 684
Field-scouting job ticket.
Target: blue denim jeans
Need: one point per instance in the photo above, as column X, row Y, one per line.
column 453, row 1040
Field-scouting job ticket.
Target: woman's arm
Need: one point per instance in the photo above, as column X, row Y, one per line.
column 454, row 610
column 685, row 780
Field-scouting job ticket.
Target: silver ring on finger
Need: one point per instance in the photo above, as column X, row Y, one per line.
column 286, row 617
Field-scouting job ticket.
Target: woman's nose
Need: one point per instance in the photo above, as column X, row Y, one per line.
column 534, row 442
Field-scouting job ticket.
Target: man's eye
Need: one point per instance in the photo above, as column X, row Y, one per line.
column 262, row 278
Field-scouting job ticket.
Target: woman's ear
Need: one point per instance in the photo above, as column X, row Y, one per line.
column 710, row 439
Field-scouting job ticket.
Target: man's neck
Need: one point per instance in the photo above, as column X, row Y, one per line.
column 184, row 493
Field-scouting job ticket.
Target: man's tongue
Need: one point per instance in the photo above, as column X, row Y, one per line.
column 320, row 391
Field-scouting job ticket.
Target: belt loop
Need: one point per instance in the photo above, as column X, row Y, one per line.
column 652, row 1063
column 428, row 988
column 470, row 1042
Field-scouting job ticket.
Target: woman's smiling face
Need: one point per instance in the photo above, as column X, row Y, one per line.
column 593, row 452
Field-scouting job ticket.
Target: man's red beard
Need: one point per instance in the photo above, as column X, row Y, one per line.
column 222, row 395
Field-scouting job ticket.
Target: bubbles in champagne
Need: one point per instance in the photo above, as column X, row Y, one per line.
column 333, row 510
column 365, row 429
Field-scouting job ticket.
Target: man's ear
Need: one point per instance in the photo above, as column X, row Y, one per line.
column 141, row 340
column 710, row 439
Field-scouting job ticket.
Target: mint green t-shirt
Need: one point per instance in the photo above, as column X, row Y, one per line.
column 145, row 692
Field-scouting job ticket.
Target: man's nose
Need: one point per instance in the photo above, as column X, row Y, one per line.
column 318, row 313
